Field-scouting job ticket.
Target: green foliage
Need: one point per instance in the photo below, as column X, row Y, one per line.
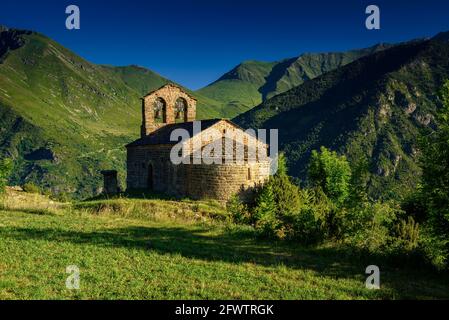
column 332, row 173
column 276, row 203
column 238, row 210
column 309, row 223
column 408, row 233
column 435, row 165
column 285, row 195
column 435, row 248
column 435, row 177
column 282, row 165
column 5, row 171
column 265, row 213
column 369, row 226
column 30, row 187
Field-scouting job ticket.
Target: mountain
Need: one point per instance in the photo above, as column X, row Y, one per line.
column 372, row 110
column 63, row 119
column 442, row 36
column 144, row 80
column 252, row 82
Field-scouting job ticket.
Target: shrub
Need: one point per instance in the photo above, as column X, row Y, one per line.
column 5, row 171
column 265, row 213
column 62, row 197
column 407, row 234
column 276, row 203
column 434, row 248
column 435, row 177
column 331, row 173
column 30, row 187
column 369, row 226
column 310, row 222
column 238, row 211
column 285, row 194
column 415, row 206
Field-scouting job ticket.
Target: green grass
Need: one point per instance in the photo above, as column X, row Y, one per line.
column 176, row 250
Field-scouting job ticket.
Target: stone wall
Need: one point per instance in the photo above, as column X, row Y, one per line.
column 110, row 184
column 221, row 182
column 169, row 93
column 197, row 181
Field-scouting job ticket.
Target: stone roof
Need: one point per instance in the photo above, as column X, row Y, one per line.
column 172, row 85
column 162, row 135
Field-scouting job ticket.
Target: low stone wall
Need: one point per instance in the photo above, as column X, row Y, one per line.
column 149, row 167
column 221, row 181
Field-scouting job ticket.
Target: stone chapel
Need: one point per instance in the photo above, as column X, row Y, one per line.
column 150, row 168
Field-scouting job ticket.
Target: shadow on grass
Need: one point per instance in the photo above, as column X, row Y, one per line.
column 241, row 247
column 132, row 194
column 35, row 211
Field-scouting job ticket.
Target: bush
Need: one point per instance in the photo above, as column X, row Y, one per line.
column 265, row 213
column 434, row 248
column 5, row 171
column 238, row 211
column 285, row 195
column 415, row 206
column 369, row 226
column 435, row 178
column 331, row 173
column 310, row 222
column 62, row 197
column 30, row 187
column 276, row 203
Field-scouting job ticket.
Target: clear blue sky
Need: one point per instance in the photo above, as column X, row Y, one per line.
column 193, row 42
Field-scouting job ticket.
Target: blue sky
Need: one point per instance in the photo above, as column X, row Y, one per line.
column 194, row 42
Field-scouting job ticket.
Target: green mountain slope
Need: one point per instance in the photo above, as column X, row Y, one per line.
column 64, row 119
column 372, row 110
column 143, row 81
column 252, row 82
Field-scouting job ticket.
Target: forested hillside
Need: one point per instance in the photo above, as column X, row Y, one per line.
column 372, row 110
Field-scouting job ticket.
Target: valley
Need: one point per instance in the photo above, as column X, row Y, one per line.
column 63, row 118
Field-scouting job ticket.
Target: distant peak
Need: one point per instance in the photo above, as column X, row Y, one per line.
column 442, row 36
column 4, row 28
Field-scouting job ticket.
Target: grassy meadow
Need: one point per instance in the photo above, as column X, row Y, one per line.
column 162, row 249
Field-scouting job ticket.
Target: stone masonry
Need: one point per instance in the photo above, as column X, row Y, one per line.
column 169, row 94
column 149, row 167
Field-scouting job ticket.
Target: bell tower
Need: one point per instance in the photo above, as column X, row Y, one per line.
column 166, row 105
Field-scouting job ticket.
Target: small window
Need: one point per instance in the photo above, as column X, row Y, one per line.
column 249, row 174
column 181, row 110
column 159, row 110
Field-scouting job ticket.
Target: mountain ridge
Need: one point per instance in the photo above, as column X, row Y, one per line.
column 263, row 80
column 372, row 109
column 64, row 118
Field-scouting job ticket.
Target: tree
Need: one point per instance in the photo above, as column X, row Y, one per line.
column 435, row 167
column 282, row 165
column 331, row 173
column 5, row 171
column 266, row 221
column 277, row 202
column 285, row 192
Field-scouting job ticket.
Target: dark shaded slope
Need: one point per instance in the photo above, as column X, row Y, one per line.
column 372, row 110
